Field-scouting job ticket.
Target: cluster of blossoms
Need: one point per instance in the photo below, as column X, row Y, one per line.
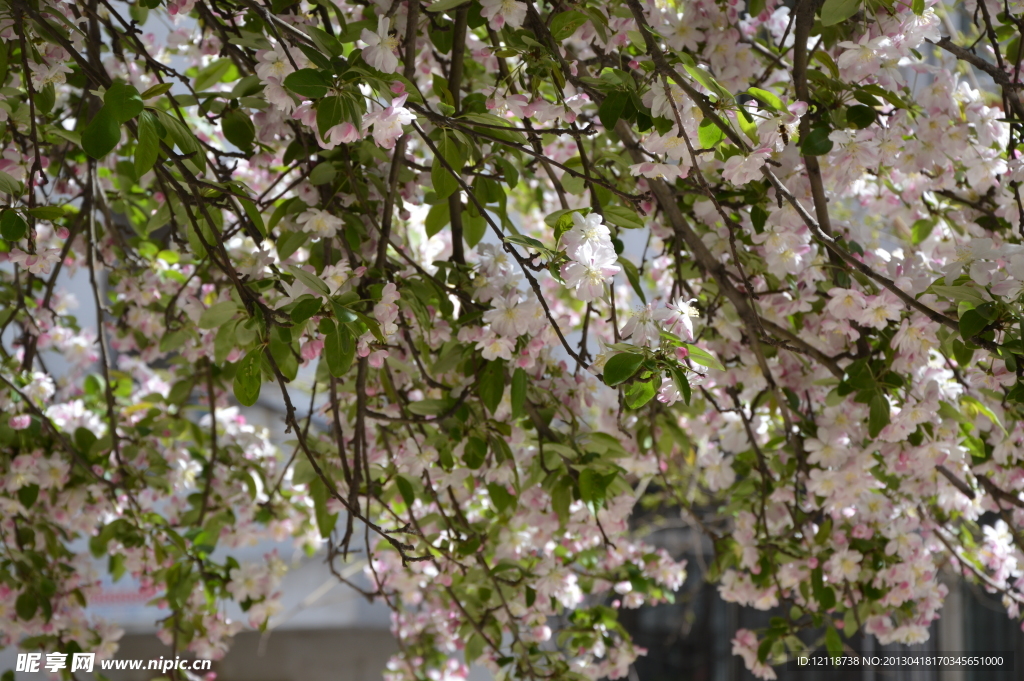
column 413, row 233
column 592, row 257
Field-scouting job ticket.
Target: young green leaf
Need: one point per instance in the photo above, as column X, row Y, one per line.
column 639, row 393
column 12, row 225
column 248, row 377
column 518, row 395
column 148, row 149
column 769, row 99
column 564, row 24
column 633, row 275
column 878, row 417
column 438, row 216
column 703, row 357
column 339, row 351
column 217, row 314
column 325, row 521
column 102, row 134
column 492, row 385
column 621, row 367
column 817, row 142
column 238, row 128
column 123, row 101
column 156, row 90
column 445, row 183
column 309, row 83
column 612, row 107
column 405, row 488
column 836, row 11
column 500, row 497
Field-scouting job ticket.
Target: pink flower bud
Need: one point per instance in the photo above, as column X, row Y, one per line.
column 20, row 422
column 311, row 349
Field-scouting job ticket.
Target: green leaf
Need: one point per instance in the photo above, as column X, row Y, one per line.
column 492, row 385
column 612, row 107
column 707, row 80
column 975, row 406
column 633, row 275
column 218, row 314
column 309, row 83
column 406, row 490
column 682, row 384
column 339, row 351
column 326, row 42
column 254, row 214
column 46, row 212
column 817, row 142
column 28, row 494
column 623, row 217
column 561, row 499
column 564, row 24
column 445, row 5
column 148, row 149
column 329, row 113
column 324, row 519
column 500, row 497
column 833, row 643
column 12, row 225
column 212, row 73
column 747, row 125
column 860, row 116
column 587, row 485
column 769, row 99
column 238, row 128
column 703, row 357
column 309, row 279
column 639, row 393
column 971, row 324
column 182, row 137
column 157, row 90
column 26, row 605
column 921, row 230
column 428, row 407
column 438, row 216
column 621, row 367
column 305, row 307
column 475, row 644
column 709, row 135
column 102, row 134
column 123, row 101
column 473, row 228
column 323, row 173
column 836, row 11
column 444, row 182
column 474, row 453
column 248, row 376
column 509, row 172
column 962, row 353
column 878, row 417
column 518, row 396
column 8, row 185
column 224, row 342
column 960, row 294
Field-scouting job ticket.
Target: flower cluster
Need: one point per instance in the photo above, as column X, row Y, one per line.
column 591, row 255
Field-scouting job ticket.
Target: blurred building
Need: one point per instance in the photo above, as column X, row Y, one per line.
column 690, row 640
